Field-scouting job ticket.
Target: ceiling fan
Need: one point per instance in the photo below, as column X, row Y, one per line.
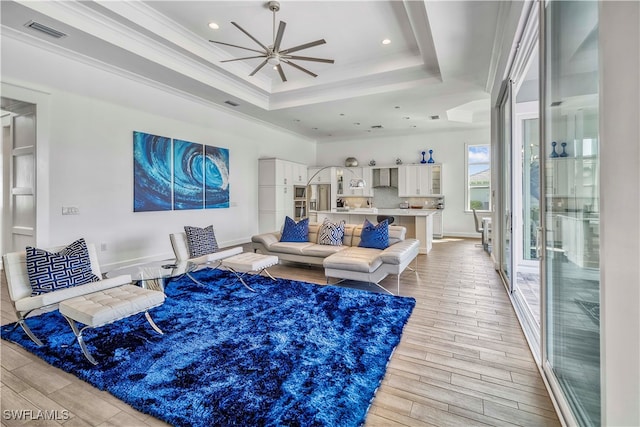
column 273, row 54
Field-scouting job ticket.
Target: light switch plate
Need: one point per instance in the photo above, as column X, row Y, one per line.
column 70, row 210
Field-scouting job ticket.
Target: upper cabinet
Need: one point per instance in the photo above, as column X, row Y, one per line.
column 318, row 175
column 420, row 180
column 299, row 173
column 344, row 177
column 282, row 172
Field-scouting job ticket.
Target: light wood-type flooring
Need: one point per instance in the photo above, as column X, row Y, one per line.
column 462, row 360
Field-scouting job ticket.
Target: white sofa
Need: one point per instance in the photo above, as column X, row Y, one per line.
column 348, row 261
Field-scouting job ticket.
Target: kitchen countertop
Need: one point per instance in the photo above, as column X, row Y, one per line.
column 382, row 211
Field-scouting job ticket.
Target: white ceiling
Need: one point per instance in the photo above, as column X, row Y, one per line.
column 439, row 62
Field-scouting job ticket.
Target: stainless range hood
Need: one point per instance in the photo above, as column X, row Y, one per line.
column 385, row 178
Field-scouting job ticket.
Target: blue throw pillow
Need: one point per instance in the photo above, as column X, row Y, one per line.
column 295, row 232
column 49, row 271
column 331, row 233
column 200, row 241
column 375, row 236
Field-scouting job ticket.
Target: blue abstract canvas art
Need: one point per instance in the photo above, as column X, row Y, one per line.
column 216, row 175
column 151, row 172
column 188, row 175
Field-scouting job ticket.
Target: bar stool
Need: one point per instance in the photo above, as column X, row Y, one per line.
column 381, row 218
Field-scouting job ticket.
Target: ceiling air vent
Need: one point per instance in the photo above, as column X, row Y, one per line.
column 376, row 127
column 44, row 29
column 233, row 104
column 434, row 117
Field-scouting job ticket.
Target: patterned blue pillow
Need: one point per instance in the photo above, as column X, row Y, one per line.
column 69, row 267
column 200, row 241
column 375, row 236
column 331, row 233
column 295, row 232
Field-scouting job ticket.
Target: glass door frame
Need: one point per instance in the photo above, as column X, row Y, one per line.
column 548, row 375
column 505, row 196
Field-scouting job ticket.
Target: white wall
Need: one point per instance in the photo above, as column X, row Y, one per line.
column 91, row 117
column 619, row 37
column 448, row 148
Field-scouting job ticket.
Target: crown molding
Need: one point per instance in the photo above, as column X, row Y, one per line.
column 153, row 21
column 70, row 55
column 89, row 21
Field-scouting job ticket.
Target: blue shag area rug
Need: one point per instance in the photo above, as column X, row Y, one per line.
column 292, row 353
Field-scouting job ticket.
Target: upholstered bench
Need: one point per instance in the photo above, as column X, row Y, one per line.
column 246, row 262
column 104, row 307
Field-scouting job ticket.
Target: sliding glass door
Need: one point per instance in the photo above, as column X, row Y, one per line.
column 505, row 209
column 571, row 207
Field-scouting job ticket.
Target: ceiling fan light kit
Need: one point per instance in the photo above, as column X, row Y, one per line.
column 272, row 54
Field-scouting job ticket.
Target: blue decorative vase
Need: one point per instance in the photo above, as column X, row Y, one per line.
column 430, row 157
column 423, row 159
column 553, row 151
column 564, row 148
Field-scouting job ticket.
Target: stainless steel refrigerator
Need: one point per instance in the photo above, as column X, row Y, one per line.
column 319, row 197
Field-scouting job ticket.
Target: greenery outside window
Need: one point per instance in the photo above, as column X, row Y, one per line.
column 478, row 177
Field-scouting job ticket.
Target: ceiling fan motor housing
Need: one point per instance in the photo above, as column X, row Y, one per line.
column 273, row 6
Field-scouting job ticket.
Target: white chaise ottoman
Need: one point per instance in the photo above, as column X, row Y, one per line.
column 246, row 262
column 104, row 307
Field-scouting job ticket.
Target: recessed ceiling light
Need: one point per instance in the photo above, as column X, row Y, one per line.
column 386, row 41
column 213, row 26
column 396, row 107
column 342, row 114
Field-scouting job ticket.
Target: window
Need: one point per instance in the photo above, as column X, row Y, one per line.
column 478, row 177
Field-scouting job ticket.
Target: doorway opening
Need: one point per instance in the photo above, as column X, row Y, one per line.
column 18, row 166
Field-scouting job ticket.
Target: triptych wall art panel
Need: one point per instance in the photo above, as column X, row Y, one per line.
column 176, row 174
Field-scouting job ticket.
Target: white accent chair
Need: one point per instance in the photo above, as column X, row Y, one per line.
column 181, row 251
column 15, row 268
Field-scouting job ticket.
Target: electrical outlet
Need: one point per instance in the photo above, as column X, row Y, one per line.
column 70, row 210
column 103, row 247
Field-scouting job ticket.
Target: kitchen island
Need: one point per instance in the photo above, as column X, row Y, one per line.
column 418, row 222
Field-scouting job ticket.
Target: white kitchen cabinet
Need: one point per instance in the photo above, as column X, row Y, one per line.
column 322, row 177
column 276, row 191
column 367, row 175
column 437, row 225
column 299, row 173
column 420, row 180
column 354, row 173
column 413, row 181
column 435, row 179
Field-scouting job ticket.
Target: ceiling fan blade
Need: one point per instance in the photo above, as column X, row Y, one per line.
column 251, row 37
column 278, row 40
column 282, row 76
column 307, row 58
column 259, row 67
column 303, row 46
column 239, row 47
column 300, row 68
column 246, row 57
